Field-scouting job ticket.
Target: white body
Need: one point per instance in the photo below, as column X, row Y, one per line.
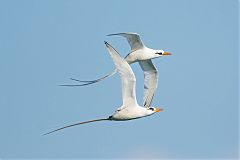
column 142, row 54
column 130, row 108
column 130, row 113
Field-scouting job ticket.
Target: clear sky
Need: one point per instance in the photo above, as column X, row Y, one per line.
column 44, row 43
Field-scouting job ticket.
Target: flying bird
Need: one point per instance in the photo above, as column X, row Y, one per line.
column 142, row 54
column 130, row 108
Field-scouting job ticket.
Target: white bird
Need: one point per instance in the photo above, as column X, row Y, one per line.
column 142, row 54
column 130, row 108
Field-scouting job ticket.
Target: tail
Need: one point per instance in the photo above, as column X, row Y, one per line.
column 89, row 82
column 95, row 120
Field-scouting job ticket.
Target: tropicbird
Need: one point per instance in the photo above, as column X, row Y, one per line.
column 130, row 108
column 142, row 54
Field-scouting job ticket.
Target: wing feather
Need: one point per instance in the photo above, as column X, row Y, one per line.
column 150, row 81
column 133, row 39
column 127, row 77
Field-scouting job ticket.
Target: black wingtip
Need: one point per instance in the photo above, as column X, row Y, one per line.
column 113, row 34
column 107, row 44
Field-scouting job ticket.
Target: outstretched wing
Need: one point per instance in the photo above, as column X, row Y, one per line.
column 127, row 77
column 133, row 39
column 150, row 81
column 134, row 42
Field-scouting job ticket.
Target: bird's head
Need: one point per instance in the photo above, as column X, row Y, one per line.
column 160, row 53
column 152, row 110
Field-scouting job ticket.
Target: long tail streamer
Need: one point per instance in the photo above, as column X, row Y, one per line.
column 95, row 120
column 88, row 82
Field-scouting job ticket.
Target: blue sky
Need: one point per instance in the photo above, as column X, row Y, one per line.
column 44, row 43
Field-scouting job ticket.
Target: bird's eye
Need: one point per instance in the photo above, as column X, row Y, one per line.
column 151, row 108
column 160, row 53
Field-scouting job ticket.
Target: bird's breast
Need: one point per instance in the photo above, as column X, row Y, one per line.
column 128, row 114
column 139, row 55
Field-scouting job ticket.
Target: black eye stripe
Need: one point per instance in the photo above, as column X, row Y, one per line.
column 160, row 53
column 151, row 108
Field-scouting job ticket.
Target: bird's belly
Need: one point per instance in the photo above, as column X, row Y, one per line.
column 139, row 55
column 124, row 115
column 135, row 56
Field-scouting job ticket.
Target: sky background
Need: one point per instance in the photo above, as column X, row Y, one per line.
column 44, row 43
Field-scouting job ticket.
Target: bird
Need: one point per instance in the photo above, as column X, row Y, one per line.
column 130, row 109
column 143, row 55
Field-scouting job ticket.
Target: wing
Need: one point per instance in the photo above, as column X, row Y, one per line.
column 127, row 77
column 135, row 43
column 133, row 39
column 150, row 81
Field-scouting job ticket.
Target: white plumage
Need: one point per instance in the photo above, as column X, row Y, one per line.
column 142, row 54
column 130, row 108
